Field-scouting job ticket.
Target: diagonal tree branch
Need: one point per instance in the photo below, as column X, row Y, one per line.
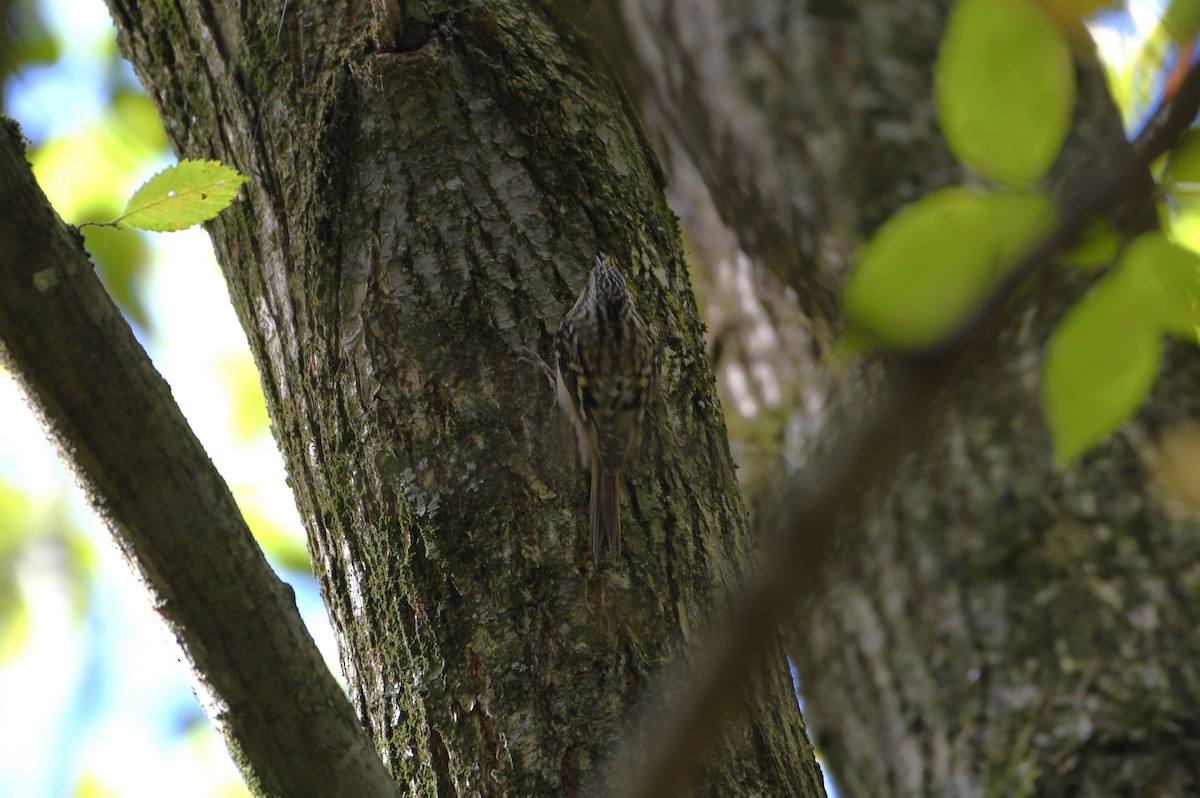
column 867, row 455
column 113, row 421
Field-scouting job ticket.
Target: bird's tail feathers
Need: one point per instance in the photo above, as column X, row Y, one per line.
column 605, row 512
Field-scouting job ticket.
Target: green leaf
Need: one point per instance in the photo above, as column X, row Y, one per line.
column 1181, row 20
column 1005, row 87
column 183, row 195
column 1181, row 177
column 1100, row 365
column 926, row 269
column 1170, row 276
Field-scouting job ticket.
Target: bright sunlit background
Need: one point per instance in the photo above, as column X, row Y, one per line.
column 93, row 698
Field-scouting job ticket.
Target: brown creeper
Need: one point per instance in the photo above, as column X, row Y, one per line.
column 606, row 373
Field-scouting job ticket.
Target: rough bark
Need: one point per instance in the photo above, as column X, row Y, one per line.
column 430, row 185
column 113, row 421
column 1000, row 628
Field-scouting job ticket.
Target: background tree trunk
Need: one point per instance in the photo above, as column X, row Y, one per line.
column 430, row 187
column 1000, row 628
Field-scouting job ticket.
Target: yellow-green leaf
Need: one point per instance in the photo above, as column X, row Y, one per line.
column 1181, row 177
column 1100, row 365
column 1170, row 275
column 183, row 195
column 924, row 271
column 1005, row 88
column 1181, row 19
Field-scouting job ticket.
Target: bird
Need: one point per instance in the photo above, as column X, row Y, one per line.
column 607, row 364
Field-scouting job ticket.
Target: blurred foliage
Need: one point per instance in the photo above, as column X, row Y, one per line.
column 1068, row 12
column 121, row 259
column 1181, row 20
column 1101, row 363
column 95, row 137
column 34, row 532
column 927, row 268
column 87, row 175
column 1152, row 70
column 1005, row 96
column 243, row 386
column 1181, row 173
column 1177, row 466
column 1005, row 89
column 16, row 525
column 90, row 786
column 26, row 39
column 1105, row 355
column 207, row 746
column 281, row 544
column 85, row 171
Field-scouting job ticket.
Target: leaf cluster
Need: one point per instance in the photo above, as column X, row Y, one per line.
column 1005, row 95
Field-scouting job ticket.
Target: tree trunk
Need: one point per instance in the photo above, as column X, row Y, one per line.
column 429, row 189
column 1000, row 628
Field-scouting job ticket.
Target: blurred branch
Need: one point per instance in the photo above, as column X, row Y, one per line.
column 115, row 424
column 867, row 454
